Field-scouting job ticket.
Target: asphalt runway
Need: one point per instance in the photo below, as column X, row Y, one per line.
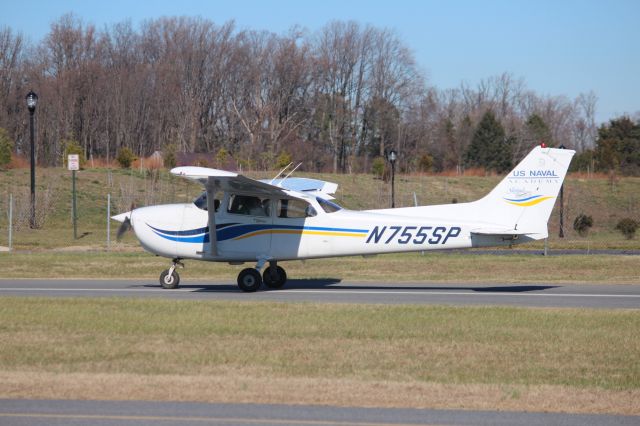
column 336, row 291
column 53, row 413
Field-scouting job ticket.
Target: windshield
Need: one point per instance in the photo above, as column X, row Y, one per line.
column 201, row 202
column 328, row 206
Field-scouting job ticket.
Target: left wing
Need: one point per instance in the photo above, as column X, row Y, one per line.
column 227, row 181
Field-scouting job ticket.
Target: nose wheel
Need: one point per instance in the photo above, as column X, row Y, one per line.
column 169, row 278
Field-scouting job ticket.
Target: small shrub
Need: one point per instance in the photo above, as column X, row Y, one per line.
column 628, row 227
column 247, row 164
column 582, row 223
column 221, row 157
column 73, row 147
column 6, row 146
column 377, row 167
column 170, row 159
column 125, row 158
column 425, row 163
column 201, row 162
column 283, row 160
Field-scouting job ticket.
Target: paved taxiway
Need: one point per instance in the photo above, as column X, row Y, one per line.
column 335, row 291
column 51, row 413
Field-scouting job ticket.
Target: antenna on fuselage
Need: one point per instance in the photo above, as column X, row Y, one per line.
column 294, row 169
column 281, row 172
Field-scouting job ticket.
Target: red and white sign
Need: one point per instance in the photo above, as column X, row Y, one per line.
column 73, row 162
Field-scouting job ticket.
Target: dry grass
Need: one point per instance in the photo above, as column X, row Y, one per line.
column 560, row 360
column 239, row 387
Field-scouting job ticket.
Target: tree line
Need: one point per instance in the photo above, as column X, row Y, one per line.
column 334, row 99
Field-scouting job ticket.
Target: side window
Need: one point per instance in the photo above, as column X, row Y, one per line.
column 295, row 209
column 328, row 206
column 249, row 205
column 201, row 201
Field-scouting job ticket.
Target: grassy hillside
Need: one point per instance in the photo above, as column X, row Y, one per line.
column 605, row 200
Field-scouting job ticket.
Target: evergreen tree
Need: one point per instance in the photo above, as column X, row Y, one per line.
column 537, row 131
column 618, row 146
column 489, row 147
column 6, row 146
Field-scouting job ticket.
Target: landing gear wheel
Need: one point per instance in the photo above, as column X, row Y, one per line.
column 249, row 280
column 169, row 282
column 274, row 281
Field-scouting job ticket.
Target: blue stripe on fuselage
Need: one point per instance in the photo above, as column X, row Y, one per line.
column 230, row 231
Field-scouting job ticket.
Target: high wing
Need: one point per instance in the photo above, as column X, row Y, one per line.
column 227, row 181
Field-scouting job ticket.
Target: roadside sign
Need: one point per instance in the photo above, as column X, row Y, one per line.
column 73, row 162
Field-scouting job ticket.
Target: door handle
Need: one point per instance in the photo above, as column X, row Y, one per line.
column 259, row 220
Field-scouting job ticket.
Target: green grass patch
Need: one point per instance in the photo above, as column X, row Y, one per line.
column 569, row 347
column 431, row 267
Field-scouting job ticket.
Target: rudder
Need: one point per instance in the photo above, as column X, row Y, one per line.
column 524, row 199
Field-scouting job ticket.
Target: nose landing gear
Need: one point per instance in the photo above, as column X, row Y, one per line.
column 169, row 278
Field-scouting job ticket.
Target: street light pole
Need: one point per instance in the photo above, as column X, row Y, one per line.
column 392, row 159
column 32, row 101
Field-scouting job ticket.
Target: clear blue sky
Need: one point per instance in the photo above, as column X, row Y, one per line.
column 561, row 47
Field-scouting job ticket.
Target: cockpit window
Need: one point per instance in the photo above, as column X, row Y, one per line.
column 295, row 209
column 328, row 206
column 249, row 205
column 201, row 202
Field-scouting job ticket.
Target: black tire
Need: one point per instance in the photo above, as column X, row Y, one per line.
column 169, row 282
column 280, row 278
column 249, row 280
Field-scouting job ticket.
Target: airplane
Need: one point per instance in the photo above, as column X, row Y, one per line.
column 283, row 219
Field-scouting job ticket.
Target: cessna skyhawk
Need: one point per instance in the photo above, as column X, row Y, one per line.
column 270, row 221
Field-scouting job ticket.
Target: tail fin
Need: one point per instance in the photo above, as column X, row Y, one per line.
column 523, row 200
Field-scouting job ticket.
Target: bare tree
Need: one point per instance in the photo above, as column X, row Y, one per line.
column 331, row 98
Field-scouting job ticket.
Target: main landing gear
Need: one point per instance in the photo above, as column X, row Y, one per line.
column 249, row 279
column 169, row 278
column 274, row 277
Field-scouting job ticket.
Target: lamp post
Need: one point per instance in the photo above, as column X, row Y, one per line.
column 32, row 101
column 392, row 157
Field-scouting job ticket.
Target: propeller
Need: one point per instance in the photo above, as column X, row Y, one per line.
column 126, row 223
column 124, row 227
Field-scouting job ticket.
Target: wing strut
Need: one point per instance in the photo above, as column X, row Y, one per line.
column 212, row 187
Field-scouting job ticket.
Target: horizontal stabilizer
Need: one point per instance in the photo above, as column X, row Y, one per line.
column 501, row 232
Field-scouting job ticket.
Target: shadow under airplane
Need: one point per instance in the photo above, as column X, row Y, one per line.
column 322, row 283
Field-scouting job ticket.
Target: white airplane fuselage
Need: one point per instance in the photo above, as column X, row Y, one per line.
column 341, row 233
column 265, row 222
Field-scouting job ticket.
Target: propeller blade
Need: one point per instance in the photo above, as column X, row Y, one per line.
column 124, row 227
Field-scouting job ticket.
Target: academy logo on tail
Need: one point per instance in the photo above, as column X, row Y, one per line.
column 528, row 201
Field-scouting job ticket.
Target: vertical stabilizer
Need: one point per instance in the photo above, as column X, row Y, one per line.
column 524, row 199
